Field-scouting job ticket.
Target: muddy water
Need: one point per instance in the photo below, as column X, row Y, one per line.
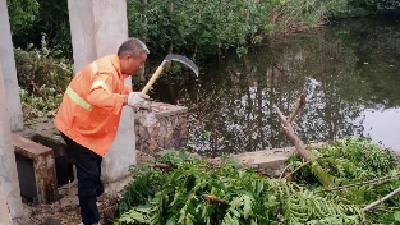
column 350, row 69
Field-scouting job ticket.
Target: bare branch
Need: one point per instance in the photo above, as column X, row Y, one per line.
column 281, row 117
column 299, row 105
column 215, row 199
column 35, row 86
column 163, row 166
column 289, row 176
column 381, row 183
column 384, row 210
column 374, row 204
column 289, row 132
column 283, row 171
column 366, row 182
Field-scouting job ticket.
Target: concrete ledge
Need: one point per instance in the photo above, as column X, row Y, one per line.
column 269, row 162
column 43, row 167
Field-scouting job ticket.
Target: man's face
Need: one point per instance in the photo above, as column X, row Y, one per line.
column 132, row 65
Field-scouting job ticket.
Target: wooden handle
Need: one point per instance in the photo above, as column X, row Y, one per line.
column 153, row 79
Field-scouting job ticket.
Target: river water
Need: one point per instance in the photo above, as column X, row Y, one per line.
column 351, row 70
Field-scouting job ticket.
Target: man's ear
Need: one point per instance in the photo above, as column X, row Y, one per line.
column 126, row 57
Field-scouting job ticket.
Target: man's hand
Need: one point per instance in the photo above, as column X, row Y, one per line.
column 136, row 99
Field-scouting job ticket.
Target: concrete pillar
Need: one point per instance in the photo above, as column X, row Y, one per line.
column 5, row 217
column 8, row 167
column 98, row 28
column 9, row 70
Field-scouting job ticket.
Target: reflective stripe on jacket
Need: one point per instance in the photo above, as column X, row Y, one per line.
column 92, row 105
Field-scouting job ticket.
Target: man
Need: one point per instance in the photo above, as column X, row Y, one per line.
column 89, row 115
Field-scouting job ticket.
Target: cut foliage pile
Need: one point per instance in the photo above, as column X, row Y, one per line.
column 349, row 181
column 195, row 193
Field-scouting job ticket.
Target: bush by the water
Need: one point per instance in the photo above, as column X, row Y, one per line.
column 205, row 28
column 42, row 78
column 201, row 26
column 196, row 193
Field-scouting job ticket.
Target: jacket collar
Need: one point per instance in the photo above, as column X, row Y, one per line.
column 115, row 61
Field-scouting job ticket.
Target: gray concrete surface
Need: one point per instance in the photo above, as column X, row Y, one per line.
column 5, row 217
column 98, row 29
column 8, row 168
column 9, row 70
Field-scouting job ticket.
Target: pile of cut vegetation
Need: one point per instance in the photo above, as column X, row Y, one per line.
column 349, row 181
column 192, row 192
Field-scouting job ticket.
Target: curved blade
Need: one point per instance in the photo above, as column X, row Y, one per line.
column 184, row 60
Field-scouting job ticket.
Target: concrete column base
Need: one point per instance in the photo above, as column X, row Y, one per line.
column 5, row 216
column 8, row 168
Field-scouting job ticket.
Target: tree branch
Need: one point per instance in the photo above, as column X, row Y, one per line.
column 374, row 204
column 163, row 166
column 289, row 133
column 300, row 102
column 381, row 183
column 366, row 182
column 384, row 210
column 289, row 176
column 215, row 199
column 283, row 171
column 35, row 86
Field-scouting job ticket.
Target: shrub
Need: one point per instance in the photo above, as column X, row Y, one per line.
column 42, row 79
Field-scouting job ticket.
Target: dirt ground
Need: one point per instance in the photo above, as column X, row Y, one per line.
column 66, row 210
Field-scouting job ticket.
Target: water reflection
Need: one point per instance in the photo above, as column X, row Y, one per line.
column 354, row 69
column 383, row 127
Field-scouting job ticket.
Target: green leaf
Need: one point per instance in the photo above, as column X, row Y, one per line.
column 247, row 208
column 171, row 221
column 183, row 156
column 397, row 215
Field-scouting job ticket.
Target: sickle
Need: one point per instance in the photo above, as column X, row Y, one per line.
column 179, row 58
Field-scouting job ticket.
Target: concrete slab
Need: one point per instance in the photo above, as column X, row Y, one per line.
column 43, row 163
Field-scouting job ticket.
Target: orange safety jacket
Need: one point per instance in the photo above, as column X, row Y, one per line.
column 92, row 105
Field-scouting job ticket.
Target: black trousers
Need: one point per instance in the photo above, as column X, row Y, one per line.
column 88, row 165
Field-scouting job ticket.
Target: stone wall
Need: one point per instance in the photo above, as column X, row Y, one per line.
column 169, row 133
